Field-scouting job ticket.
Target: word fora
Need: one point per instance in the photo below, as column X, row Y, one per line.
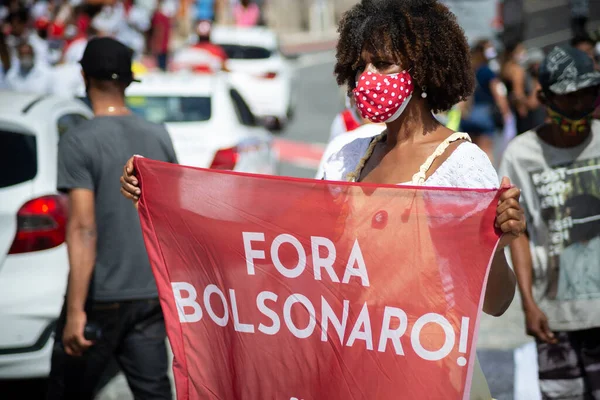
column 394, row 323
column 355, row 266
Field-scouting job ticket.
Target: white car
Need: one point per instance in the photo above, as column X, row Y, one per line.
column 210, row 124
column 33, row 257
column 260, row 72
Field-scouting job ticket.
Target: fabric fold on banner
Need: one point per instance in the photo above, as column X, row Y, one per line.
column 284, row 288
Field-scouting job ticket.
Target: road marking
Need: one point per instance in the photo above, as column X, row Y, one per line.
column 312, row 60
column 556, row 37
column 300, row 154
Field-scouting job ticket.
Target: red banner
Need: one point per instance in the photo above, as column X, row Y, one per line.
column 282, row 288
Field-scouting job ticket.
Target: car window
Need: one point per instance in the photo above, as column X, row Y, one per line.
column 18, row 158
column 69, row 121
column 242, row 110
column 161, row 109
column 238, row 52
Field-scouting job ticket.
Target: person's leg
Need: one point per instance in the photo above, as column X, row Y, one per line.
column 560, row 371
column 161, row 60
column 77, row 378
column 588, row 346
column 142, row 353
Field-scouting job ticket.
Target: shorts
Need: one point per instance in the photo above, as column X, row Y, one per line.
column 570, row 369
column 480, row 121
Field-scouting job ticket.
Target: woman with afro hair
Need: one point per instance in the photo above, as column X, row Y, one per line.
column 403, row 61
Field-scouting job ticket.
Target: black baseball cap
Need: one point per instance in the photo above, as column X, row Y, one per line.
column 566, row 70
column 108, row 59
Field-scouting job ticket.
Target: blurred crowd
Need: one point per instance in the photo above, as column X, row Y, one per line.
column 42, row 41
column 507, row 86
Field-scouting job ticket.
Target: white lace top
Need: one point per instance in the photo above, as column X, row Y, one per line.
column 467, row 167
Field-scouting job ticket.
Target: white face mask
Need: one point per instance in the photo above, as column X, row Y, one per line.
column 490, row 53
column 521, row 58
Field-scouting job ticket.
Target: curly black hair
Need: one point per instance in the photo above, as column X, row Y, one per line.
column 422, row 34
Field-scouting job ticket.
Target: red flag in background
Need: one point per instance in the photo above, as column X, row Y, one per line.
column 281, row 288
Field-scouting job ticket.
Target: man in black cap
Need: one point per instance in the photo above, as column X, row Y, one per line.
column 558, row 269
column 111, row 307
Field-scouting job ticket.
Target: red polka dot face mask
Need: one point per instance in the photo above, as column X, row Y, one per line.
column 382, row 98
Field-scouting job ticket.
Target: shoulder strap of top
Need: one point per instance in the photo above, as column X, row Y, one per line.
column 420, row 177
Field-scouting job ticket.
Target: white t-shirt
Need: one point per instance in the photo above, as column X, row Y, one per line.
column 126, row 27
column 561, row 197
column 39, row 45
column 38, row 80
column 67, row 80
column 74, row 52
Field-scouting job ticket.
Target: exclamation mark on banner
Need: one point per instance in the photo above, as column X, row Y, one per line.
column 462, row 343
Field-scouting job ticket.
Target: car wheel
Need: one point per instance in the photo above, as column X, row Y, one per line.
column 274, row 125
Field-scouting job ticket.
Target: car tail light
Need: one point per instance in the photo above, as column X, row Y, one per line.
column 269, row 75
column 226, row 159
column 41, row 224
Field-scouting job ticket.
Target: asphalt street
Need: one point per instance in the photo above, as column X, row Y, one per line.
column 318, row 100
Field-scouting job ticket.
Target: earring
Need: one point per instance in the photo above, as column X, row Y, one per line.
column 424, row 93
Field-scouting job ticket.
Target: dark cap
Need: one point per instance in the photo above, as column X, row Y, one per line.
column 566, row 70
column 108, row 59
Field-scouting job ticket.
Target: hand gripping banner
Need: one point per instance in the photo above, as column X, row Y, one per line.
column 282, row 288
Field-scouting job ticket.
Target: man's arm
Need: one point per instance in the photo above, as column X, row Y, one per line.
column 81, row 244
column 535, row 320
column 500, row 289
column 521, row 258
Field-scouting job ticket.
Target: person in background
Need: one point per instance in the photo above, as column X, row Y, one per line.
column 160, row 36
column 204, row 56
column 206, row 10
column 558, row 262
column 586, row 44
column 488, row 104
column 580, row 12
column 111, row 290
column 522, row 88
column 5, row 60
column 67, row 80
column 21, row 31
column 29, row 74
column 74, row 48
column 126, row 21
column 491, row 55
column 246, row 13
column 537, row 115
